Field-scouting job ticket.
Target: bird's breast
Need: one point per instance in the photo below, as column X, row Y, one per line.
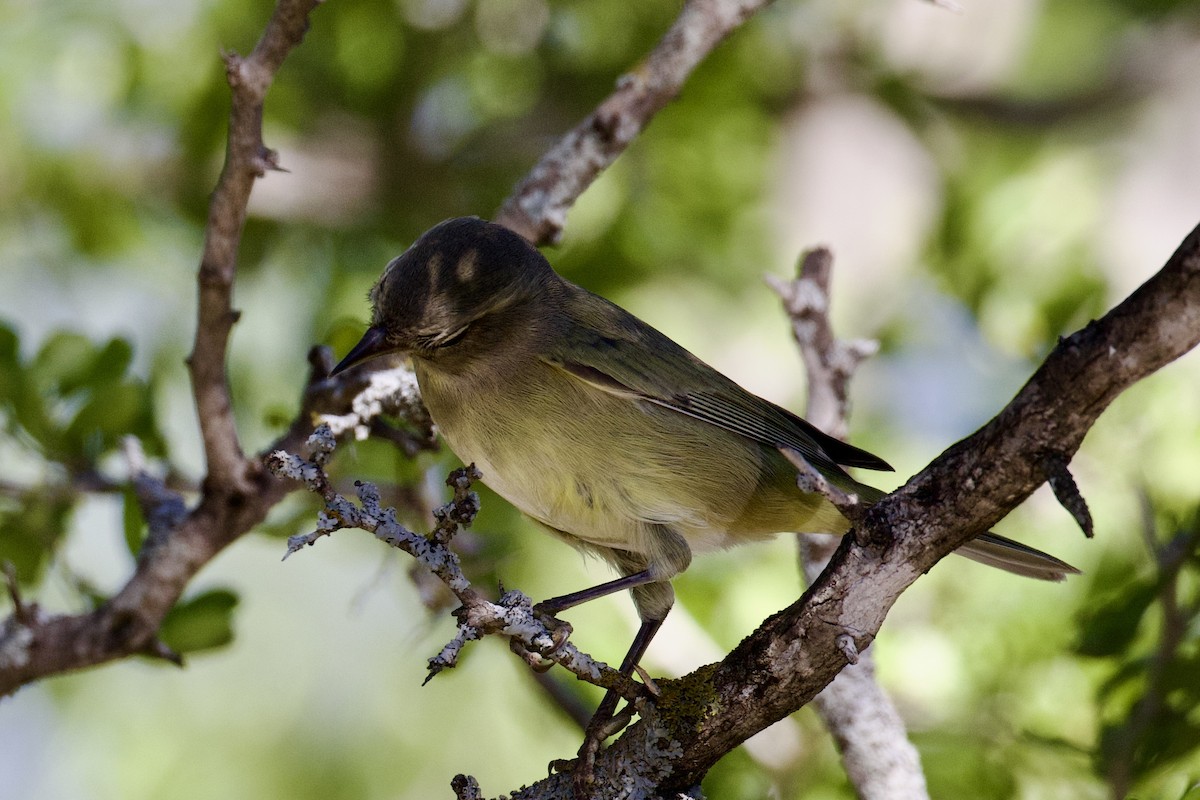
column 600, row 467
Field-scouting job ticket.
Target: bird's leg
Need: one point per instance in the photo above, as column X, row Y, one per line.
column 649, row 581
column 562, row 603
column 547, row 609
column 599, row 728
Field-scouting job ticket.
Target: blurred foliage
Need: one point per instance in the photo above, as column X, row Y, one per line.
column 1147, row 633
column 989, row 181
column 63, row 412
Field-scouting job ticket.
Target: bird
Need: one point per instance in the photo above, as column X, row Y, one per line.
column 605, row 431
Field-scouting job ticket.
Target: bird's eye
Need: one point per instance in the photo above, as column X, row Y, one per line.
column 454, row 337
column 436, row 340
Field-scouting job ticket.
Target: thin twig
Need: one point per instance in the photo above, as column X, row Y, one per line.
column 246, row 160
column 512, row 615
column 878, row 758
column 537, row 208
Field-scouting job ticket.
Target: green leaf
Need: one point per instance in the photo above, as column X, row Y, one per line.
column 64, row 362
column 1169, row 738
column 1179, row 679
column 200, row 623
column 111, row 362
column 1119, row 683
column 112, row 411
column 29, row 534
column 19, row 390
column 10, row 365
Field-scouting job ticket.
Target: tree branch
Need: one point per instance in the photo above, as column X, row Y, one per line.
column 878, row 758
column 965, row 491
column 511, row 616
column 246, row 159
column 537, row 208
column 237, row 492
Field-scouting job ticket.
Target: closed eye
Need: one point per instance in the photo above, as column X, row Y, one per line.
column 454, row 337
column 436, row 341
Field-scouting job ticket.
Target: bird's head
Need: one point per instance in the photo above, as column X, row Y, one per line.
column 444, row 290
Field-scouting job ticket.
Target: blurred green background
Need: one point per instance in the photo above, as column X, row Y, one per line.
column 988, row 180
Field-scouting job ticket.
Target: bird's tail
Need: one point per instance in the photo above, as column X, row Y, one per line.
column 997, row 551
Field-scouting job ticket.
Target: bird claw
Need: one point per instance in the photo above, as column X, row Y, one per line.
column 536, row 661
column 583, row 766
column 583, row 775
column 560, row 631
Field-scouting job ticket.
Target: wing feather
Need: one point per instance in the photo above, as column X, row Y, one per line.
column 618, row 353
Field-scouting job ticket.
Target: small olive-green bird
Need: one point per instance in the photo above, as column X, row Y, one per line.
column 601, row 428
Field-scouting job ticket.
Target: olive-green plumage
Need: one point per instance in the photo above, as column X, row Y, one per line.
column 597, row 425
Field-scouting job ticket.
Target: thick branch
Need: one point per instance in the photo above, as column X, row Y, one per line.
column 537, row 208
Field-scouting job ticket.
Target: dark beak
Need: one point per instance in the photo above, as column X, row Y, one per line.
column 373, row 343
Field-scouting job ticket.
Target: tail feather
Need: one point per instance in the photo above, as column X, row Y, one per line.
column 988, row 548
column 997, row 551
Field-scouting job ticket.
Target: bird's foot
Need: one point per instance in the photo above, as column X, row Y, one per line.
column 536, row 661
column 583, row 766
column 542, row 659
column 560, row 630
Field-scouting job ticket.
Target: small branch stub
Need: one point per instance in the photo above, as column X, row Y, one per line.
column 812, row 481
column 466, row 788
column 157, row 648
column 1059, row 476
column 23, row 612
column 848, row 648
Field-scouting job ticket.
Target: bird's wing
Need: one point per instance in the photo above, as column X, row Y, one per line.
column 617, row 353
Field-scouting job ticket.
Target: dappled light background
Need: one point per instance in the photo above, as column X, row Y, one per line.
column 988, row 179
